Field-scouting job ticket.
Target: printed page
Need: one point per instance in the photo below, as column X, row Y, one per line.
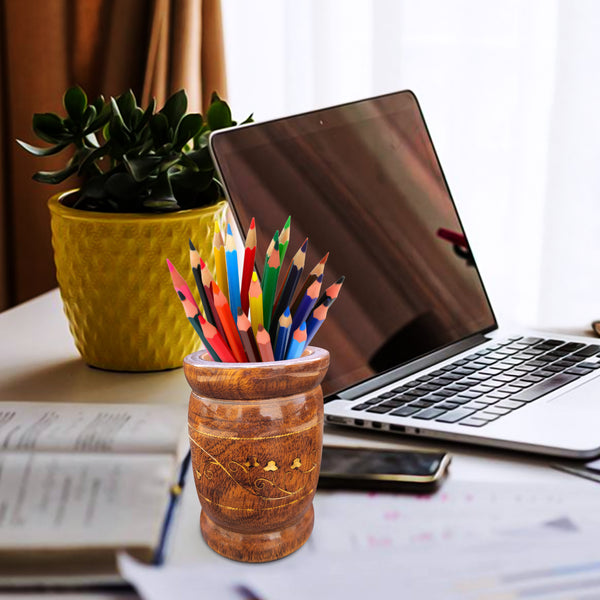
column 55, row 500
column 42, row 426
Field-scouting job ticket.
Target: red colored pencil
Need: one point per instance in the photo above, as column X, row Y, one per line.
column 213, row 337
column 248, row 268
column 263, row 341
column 226, row 318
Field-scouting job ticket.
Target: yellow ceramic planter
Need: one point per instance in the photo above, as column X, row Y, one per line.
column 111, row 268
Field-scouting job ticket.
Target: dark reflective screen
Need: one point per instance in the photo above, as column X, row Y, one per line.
column 362, row 182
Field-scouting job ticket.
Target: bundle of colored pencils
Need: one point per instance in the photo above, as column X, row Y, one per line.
column 241, row 319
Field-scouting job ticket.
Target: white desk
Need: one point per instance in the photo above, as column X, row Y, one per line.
column 38, row 361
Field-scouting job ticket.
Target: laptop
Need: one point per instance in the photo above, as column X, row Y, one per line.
column 415, row 346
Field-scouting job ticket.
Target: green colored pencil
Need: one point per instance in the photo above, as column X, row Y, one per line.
column 271, row 274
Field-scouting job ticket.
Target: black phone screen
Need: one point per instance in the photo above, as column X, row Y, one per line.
column 358, row 462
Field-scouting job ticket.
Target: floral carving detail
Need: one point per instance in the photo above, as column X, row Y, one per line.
column 266, row 488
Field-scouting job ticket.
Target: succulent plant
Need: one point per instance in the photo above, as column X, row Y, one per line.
column 132, row 159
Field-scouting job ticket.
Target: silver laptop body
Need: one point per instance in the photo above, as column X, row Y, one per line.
column 415, row 346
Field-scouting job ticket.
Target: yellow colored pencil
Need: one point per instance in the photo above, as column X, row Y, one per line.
column 220, row 262
column 256, row 303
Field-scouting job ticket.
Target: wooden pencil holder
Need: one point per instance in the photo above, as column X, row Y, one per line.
column 256, row 435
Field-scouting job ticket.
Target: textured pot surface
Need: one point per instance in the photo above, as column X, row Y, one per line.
column 256, row 434
column 114, row 282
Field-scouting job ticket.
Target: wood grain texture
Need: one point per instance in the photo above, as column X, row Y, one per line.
column 256, row 435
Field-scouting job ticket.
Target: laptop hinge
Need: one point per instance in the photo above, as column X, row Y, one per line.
column 403, row 371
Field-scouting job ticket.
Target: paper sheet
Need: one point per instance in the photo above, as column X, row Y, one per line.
column 469, row 541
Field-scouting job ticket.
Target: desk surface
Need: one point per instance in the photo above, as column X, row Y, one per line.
column 39, row 362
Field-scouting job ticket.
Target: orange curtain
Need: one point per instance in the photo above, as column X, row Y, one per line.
column 154, row 47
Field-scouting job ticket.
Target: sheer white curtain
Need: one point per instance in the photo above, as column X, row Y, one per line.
column 510, row 91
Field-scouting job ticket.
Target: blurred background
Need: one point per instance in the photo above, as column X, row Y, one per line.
column 508, row 90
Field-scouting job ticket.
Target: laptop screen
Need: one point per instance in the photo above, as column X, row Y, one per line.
column 362, row 181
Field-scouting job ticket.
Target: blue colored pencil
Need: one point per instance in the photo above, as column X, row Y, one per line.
column 297, row 342
column 316, row 318
column 284, row 329
column 307, row 303
column 233, row 275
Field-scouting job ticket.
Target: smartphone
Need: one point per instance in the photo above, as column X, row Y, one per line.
column 389, row 470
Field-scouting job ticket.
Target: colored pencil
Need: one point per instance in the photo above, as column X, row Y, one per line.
column 231, row 333
column 292, row 277
column 312, row 276
column 270, row 276
column 233, row 275
column 284, row 239
column 206, row 282
column 248, row 268
column 255, row 299
column 176, row 278
column 331, row 292
column 218, row 343
column 316, row 318
column 263, row 341
column 307, row 303
column 283, row 334
column 196, row 263
column 297, row 342
column 192, row 313
column 220, row 262
column 247, row 336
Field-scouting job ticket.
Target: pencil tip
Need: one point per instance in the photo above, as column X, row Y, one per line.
column 217, row 228
column 287, row 312
column 191, row 245
column 170, row 265
column 252, row 224
column 287, row 223
column 229, row 229
column 304, row 245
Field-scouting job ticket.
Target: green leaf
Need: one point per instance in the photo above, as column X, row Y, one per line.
column 219, row 115
column 123, row 187
column 42, row 151
column 88, row 116
column 75, row 102
column 159, row 126
column 147, row 115
column 55, row 176
column 99, row 104
column 174, row 108
column 127, row 105
column 188, row 127
column 49, row 127
column 142, row 168
column 101, row 120
column 201, row 159
column 88, row 161
column 116, row 126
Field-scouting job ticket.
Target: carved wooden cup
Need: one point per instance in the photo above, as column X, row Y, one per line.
column 256, row 435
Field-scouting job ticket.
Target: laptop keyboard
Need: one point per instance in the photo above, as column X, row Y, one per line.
column 490, row 383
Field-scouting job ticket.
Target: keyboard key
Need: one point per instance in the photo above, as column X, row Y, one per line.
column 447, row 405
column 511, row 389
column 531, row 340
column 578, row 371
column 379, row 409
column 361, row 406
column 498, row 395
column 512, row 404
column 392, row 403
column 470, row 395
column 589, row 365
column 401, row 389
column 429, row 414
column 464, row 371
column 487, row 400
column 475, row 405
column 405, row 411
column 572, row 346
column 588, row 350
column 422, row 404
column 473, row 422
column 373, row 401
column 455, row 415
column 533, row 378
column 486, row 416
column 387, row 395
column 522, row 383
column 497, row 410
column 458, row 400
column 545, row 387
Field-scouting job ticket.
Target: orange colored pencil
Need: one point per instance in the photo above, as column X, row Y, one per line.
column 247, row 336
column 263, row 341
column 331, row 292
column 248, row 268
column 226, row 318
